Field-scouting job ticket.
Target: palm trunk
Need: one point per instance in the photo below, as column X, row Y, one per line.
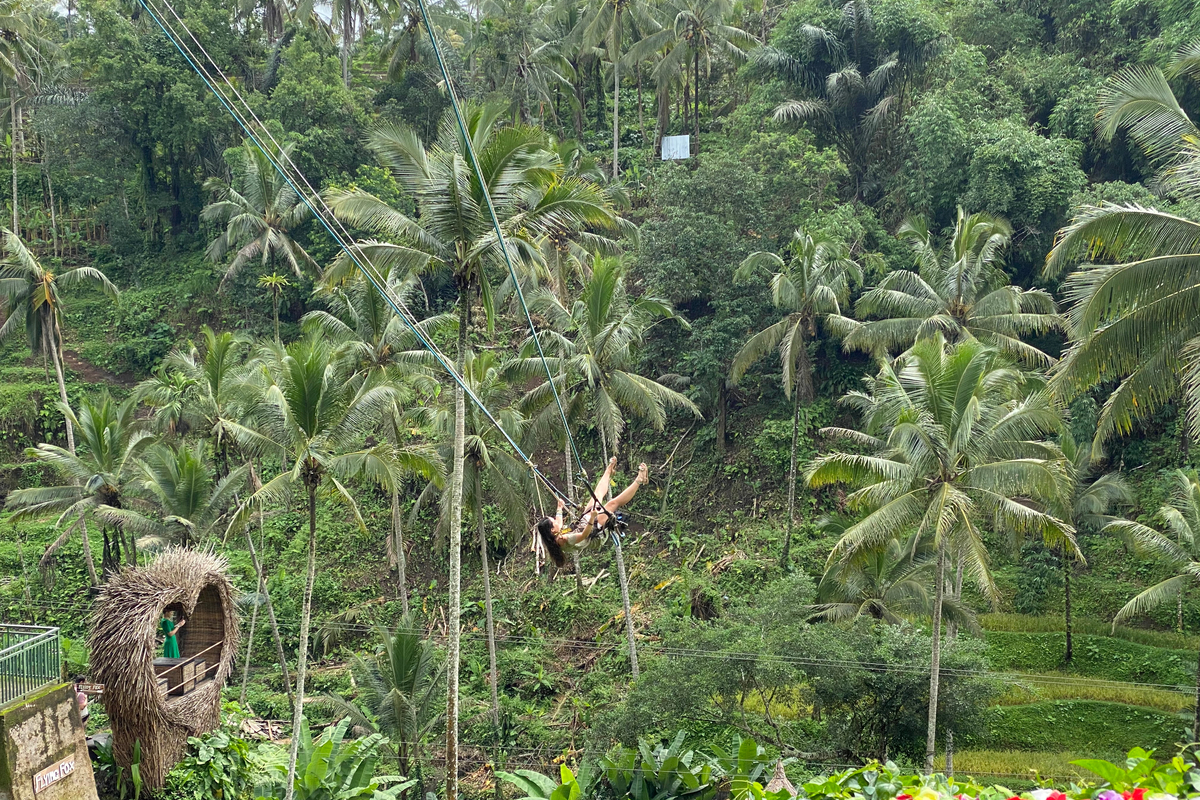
column 249, row 652
column 791, row 517
column 936, row 660
column 271, row 620
column 1196, row 716
column 12, row 107
column 1179, row 612
column 52, row 337
column 956, row 593
column 950, row 753
column 50, row 195
column 302, row 656
column 696, row 91
column 398, row 549
column 1069, row 655
column 275, row 298
column 493, row 673
column 453, row 632
column 641, row 112
column 88, row 559
column 624, row 580
column 616, row 91
column 347, row 35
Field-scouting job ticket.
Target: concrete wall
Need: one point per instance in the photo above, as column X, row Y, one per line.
column 37, row 734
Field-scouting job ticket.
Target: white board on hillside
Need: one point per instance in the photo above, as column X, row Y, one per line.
column 675, row 148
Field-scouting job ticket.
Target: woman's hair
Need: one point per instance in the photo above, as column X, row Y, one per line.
column 545, row 529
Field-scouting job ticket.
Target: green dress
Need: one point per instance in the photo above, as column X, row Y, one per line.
column 170, row 644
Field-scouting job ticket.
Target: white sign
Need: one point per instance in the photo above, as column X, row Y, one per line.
column 676, row 147
column 53, row 774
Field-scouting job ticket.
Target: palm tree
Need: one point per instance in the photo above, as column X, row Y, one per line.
column 888, row 583
column 524, row 57
column 1178, row 545
column 952, row 439
column 260, row 212
column 399, row 691
column 813, row 283
column 208, row 387
column 1088, row 507
column 694, row 31
column 102, row 475
column 606, row 23
column 958, row 289
column 487, row 459
column 175, row 486
column 595, row 343
column 275, row 284
column 849, row 87
column 31, row 298
column 453, row 231
column 306, row 405
column 382, row 349
column 1130, row 316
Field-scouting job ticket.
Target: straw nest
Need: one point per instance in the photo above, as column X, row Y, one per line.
column 124, row 644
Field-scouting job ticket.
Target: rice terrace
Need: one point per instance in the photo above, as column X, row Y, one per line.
column 600, row 400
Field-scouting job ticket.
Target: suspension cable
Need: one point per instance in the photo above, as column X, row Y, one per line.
column 348, row 247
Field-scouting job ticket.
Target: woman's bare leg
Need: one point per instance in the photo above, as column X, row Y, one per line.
column 624, row 497
column 602, row 487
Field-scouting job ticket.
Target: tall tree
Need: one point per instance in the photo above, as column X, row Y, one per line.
column 1088, row 507
column 488, row 462
column 1130, row 317
column 851, row 88
column 951, row 439
column 260, row 212
column 606, row 24
column 1177, row 545
column 101, row 474
column 174, row 500
column 208, row 385
column 307, row 406
column 888, row 583
column 382, row 349
column 814, row 282
column 594, row 342
column 694, row 32
column 958, row 289
column 453, row 231
column 31, row 298
column 275, row 284
column 398, row 691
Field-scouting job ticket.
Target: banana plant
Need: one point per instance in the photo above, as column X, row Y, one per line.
column 331, row 768
column 537, row 786
column 659, row 773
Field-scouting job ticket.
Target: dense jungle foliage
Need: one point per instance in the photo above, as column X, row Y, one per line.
column 908, row 343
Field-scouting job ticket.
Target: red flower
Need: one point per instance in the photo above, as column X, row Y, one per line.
column 909, row 797
column 1136, row 794
column 1061, row 796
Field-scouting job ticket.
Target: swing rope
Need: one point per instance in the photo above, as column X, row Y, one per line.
column 325, row 215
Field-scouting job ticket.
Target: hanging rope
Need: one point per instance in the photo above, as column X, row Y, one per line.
column 345, row 243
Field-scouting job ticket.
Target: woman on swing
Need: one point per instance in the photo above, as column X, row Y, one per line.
column 594, row 516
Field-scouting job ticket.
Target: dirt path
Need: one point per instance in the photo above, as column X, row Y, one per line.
column 95, row 375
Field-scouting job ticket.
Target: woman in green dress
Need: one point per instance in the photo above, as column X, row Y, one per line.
column 169, row 628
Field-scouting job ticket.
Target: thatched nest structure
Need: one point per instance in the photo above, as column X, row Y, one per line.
column 125, row 645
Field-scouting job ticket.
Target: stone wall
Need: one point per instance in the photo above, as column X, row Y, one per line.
column 43, row 749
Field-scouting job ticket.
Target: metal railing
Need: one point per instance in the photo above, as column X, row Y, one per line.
column 30, row 658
